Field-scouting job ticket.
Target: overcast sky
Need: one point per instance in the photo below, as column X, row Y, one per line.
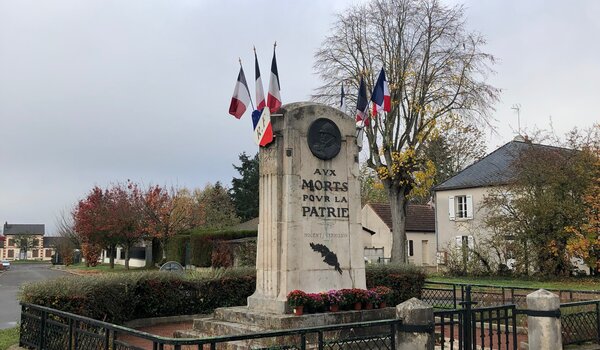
column 101, row 91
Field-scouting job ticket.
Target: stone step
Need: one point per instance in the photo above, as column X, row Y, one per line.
column 215, row 328
column 268, row 321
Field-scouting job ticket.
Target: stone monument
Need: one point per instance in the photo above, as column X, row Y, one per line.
column 309, row 212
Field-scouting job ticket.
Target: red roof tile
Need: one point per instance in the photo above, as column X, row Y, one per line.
column 419, row 218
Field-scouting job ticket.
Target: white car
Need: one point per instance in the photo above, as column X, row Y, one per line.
column 5, row 264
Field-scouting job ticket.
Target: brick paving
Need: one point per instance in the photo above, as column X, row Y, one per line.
column 164, row 330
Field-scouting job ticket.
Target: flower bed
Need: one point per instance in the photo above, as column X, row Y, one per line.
column 335, row 300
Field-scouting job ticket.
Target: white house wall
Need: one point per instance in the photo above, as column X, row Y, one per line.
column 383, row 239
column 447, row 229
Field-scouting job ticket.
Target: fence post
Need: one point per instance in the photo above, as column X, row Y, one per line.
column 417, row 329
column 543, row 320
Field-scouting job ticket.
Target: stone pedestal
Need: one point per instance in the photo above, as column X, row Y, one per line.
column 544, row 332
column 415, row 312
column 309, row 212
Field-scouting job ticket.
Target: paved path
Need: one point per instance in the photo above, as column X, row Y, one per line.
column 11, row 280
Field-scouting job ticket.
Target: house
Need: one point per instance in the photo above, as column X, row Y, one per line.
column 459, row 211
column 25, row 241
column 420, row 233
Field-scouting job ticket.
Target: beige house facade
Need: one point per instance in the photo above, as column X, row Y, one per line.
column 25, row 242
column 459, row 202
column 420, row 233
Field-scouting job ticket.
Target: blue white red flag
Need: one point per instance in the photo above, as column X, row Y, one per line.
column 274, row 97
column 263, row 131
column 362, row 104
column 381, row 95
column 260, row 94
column 241, row 96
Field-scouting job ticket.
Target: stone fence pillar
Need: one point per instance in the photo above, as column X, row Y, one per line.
column 417, row 331
column 543, row 320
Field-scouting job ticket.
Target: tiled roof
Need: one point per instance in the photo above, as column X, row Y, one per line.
column 494, row 169
column 419, row 218
column 24, row 229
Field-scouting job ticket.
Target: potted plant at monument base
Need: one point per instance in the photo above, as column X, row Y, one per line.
column 384, row 295
column 297, row 299
column 334, row 300
column 372, row 298
column 315, row 303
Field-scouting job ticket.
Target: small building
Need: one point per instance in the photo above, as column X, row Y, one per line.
column 25, row 242
column 420, row 233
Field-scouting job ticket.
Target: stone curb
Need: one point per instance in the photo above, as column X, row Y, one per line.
column 153, row 321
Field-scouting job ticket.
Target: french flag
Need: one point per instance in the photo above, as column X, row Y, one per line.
column 362, row 103
column 381, row 95
column 260, row 94
column 263, row 131
column 274, row 98
column 241, row 96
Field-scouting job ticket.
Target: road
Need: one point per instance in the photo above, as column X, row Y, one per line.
column 11, row 280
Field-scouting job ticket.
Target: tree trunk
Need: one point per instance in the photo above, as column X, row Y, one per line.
column 112, row 251
column 127, row 257
column 398, row 208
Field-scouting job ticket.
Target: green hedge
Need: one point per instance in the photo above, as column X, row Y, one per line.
column 201, row 242
column 406, row 281
column 176, row 248
column 122, row 297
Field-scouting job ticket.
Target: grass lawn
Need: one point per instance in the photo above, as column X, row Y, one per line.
column 8, row 337
column 579, row 283
column 100, row 268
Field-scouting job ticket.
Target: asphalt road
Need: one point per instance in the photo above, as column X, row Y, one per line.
column 11, row 280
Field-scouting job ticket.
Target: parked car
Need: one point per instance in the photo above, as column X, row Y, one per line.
column 5, row 264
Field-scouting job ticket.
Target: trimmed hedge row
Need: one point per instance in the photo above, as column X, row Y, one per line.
column 120, row 297
column 406, row 281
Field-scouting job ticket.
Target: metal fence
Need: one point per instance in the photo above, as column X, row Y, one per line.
column 46, row 328
column 580, row 322
column 470, row 328
column 444, row 295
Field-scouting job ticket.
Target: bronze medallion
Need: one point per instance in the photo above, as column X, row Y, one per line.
column 324, row 139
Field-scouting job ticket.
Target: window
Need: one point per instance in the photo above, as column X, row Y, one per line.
column 11, row 242
column 34, row 253
column 11, row 253
column 410, row 248
column 460, row 207
column 48, row 253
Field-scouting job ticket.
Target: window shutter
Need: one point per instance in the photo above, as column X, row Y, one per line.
column 471, row 242
column 469, row 206
column 459, row 241
column 451, row 209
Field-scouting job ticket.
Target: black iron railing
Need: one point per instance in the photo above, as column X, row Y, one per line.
column 46, row 328
column 580, row 322
column 445, row 295
column 466, row 327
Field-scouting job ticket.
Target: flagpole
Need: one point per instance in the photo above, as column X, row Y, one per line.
column 251, row 104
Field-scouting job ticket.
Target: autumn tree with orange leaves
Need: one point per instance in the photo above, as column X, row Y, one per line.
column 108, row 218
column 585, row 240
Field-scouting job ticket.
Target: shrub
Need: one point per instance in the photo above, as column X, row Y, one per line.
column 222, row 254
column 202, row 243
column 405, row 281
column 176, row 248
column 120, row 297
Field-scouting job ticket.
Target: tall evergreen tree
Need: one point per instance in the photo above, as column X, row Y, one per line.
column 244, row 190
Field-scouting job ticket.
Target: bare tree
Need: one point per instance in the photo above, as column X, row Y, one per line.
column 436, row 69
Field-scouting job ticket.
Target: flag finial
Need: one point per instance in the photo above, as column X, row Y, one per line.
column 274, row 45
